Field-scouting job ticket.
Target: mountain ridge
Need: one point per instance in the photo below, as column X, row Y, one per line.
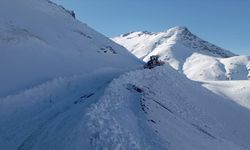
column 182, row 33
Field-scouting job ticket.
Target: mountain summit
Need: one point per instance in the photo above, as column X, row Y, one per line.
column 178, row 35
column 186, row 52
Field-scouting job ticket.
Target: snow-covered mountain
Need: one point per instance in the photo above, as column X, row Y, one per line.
column 184, row 51
column 40, row 41
column 63, row 86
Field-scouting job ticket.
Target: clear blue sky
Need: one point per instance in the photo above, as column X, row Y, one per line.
column 225, row 23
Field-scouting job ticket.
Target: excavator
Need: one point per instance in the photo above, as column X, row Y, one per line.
column 153, row 62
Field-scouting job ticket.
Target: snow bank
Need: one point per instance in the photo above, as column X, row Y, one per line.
column 161, row 109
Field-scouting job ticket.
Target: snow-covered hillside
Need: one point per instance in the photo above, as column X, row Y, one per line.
column 204, row 67
column 63, row 86
column 162, row 109
column 236, row 91
column 40, row 41
column 185, row 52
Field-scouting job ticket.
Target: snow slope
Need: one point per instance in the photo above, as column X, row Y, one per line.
column 237, row 91
column 203, row 67
column 162, row 109
column 40, row 41
column 185, row 52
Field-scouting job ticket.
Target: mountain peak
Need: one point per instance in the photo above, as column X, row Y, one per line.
column 178, row 40
column 178, row 29
column 139, row 33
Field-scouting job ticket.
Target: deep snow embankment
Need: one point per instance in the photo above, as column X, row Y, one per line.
column 162, row 109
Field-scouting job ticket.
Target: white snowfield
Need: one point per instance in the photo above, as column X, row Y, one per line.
column 203, row 67
column 185, row 52
column 238, row 91
column 63, row 87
